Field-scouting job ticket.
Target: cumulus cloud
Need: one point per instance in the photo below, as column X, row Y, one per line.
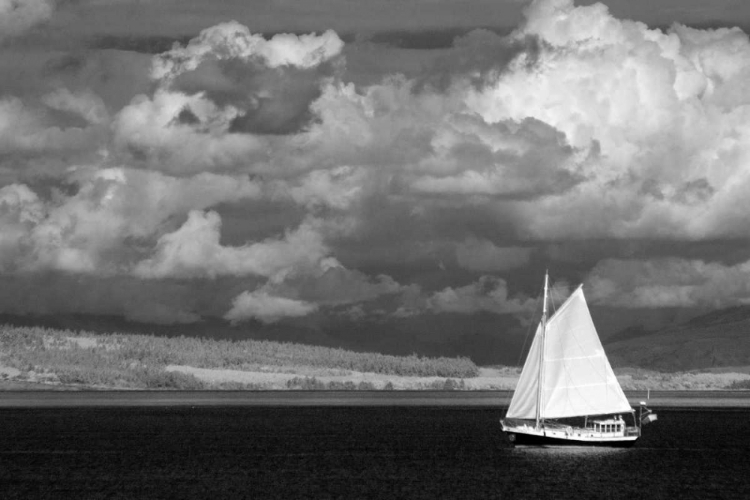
column 221, row 92
column 488, row 294
column 432, row 144
column 194, row 251
column 94, row 230
column 334, row 284
column 20, row 211
column 232, row 40
column 669, row 282
column 266, row 308
column 256, row 161
column 270, row 83
column 183, row 134
column 658, row 113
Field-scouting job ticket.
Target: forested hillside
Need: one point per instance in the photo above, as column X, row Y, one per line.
column 139, row 361
column 716, row 339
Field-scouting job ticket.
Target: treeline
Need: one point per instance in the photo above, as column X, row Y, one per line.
column 127, row 360
column 739, row 385
column 312, row 383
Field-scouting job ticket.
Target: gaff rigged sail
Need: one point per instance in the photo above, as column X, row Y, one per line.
column 577, row 378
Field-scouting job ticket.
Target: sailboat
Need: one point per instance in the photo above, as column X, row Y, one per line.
column 567, row 393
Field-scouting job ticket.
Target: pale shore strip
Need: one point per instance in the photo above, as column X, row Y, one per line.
column 489, row 399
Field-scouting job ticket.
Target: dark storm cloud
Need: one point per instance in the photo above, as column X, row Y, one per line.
column 128, row 17
column 113, row 76
column 480, row 56
column 155, row 44
column 269, row 100
column 55, row 293
column 18, row 16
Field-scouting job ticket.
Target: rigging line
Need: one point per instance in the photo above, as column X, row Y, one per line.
column 528, row 330
column 556, row 338
column 568, row 376
column 552, row 300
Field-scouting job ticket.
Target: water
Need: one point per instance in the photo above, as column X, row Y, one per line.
column 354, row 452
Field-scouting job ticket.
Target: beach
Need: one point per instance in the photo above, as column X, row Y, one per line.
column 499, row 399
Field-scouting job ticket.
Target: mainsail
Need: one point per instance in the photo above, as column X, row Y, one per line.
column 577, row 378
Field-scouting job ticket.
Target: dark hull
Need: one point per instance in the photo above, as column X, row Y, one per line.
column 527, row 439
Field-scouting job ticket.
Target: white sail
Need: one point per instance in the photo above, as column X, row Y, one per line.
column 523, row 403
column 577, row 378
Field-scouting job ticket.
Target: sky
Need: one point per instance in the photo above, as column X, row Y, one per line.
column 387, row 166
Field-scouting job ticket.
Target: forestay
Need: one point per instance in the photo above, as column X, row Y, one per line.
column 577, row 378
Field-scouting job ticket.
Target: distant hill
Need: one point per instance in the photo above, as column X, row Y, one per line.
column 710, row 340
column 629, row 333
column 487, row 339
column 715, row 339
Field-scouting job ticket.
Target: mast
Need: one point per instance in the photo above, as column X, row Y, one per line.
column 539, row 417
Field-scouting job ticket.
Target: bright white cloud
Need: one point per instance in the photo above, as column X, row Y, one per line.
column 232, row 40
column 669, row 282
column 149, row 129
column 266, row 308
column 663, row 115
column 87, row 232
column 20, row 210
column 194, row 251
column 488, row 294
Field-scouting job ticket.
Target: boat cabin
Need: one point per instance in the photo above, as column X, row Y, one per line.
column 614, row 425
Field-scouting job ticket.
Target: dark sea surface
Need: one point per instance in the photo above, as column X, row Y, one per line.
column 258, row 452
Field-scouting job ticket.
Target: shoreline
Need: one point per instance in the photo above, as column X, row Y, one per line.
column 291, row 398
